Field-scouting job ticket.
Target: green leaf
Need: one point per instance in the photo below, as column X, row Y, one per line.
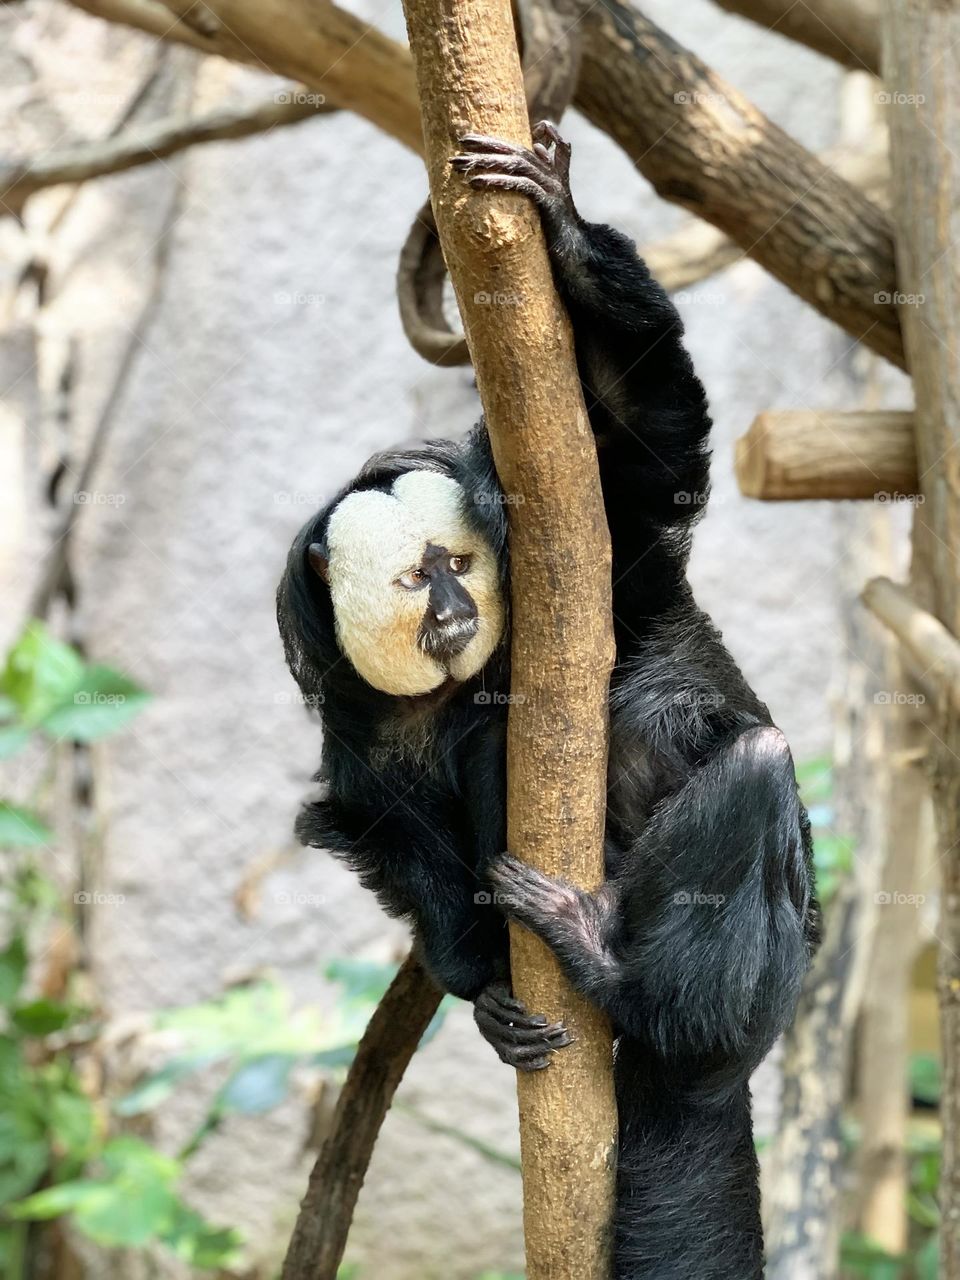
column 361, row 979
column 42, row 1017
column 41, row 673
column 20, row 829
column 159, row 1085
column 864, row 1258
column 928, row 1259
column 73, row 1124
column 925, row 1078
column 257, row 1085
column 53, row 1202
column 100, row 703
column 13, row 968
column 13, row 738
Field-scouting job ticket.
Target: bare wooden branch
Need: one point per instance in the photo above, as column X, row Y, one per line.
column 468, row 75
column 698, row 140
column 928, row 642
column 921, row 39
column 846, row 30
column 389, row 1042
column 795, row 454
column 21, row 179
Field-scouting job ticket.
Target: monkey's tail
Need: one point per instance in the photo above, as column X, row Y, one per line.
column 688, row 1199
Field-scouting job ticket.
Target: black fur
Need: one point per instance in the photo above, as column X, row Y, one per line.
column 697, row 944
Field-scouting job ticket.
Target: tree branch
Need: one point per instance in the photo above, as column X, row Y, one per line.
column 21, row 179
column 468, row 75
column 846, row 30
column 927, row 641
column 796, row 454
column 389, row 1042
column 699, row 141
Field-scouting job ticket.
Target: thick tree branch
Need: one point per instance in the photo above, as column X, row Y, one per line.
column 699, row 141
column 920, row 63
column 795, row 454
column 21, row 179
column 846, row 30
column 468, row 76
column 389, row 1042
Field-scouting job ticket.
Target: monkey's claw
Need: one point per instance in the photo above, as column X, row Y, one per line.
column 542, row 173
column 527, row 895
column 523, row 1040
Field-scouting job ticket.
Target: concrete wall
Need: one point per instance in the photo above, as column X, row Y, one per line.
column 273, row 367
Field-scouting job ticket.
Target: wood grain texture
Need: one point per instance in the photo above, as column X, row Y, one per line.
column 921, row 62
column 469, row 80
column 698, row 140
column 796, row 454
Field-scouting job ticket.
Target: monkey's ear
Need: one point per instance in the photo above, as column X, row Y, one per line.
column 318, row 560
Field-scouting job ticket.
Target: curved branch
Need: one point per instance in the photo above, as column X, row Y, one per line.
column 21, row 179
column 698, row 140
column 846, row 30
column 389, row 1042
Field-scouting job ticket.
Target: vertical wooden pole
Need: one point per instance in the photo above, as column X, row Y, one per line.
column 921, row 61
column 469, row 80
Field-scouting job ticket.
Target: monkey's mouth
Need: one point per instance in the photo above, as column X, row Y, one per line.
column 447, row 640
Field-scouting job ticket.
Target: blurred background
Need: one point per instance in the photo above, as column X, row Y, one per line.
column 195, row 354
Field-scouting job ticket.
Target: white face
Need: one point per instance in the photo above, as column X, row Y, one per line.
column 382, row 549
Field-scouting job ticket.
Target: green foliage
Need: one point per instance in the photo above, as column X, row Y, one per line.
column 832, row 853
column 925, row 1083
column 47, row 687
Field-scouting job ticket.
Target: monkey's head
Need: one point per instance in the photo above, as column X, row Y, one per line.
column 414, row 587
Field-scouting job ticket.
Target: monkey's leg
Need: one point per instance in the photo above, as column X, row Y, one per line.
column 703, row 938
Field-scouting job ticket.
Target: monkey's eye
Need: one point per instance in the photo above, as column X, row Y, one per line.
column 459, row 564
column 413, row 579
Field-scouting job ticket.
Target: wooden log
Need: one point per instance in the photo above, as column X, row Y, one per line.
column 796, row 454
column 469, row 80
column 921, row 65
column 928, row 642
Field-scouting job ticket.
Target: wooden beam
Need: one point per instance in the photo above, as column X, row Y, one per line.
column 930, row 647
column 469, row 80
column 797, row 454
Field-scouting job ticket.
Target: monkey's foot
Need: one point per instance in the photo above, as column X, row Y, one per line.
column 543, row 174
column 522, row 1040
column 526, row 894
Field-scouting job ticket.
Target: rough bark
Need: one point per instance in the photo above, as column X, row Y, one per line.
column 926, row 640
column 806, row 1173
column 389, row 1042
column 793, row 454
column 703, row 145
column 21, row 179
column 468, row 75
column 698, row 141
column 921, row 39
column 846, row 30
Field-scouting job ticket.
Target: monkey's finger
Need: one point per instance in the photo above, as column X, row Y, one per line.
column 518, row 165
column 484, row 142
column 505, row 182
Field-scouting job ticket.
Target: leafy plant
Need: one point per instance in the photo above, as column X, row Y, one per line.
column 832, row 853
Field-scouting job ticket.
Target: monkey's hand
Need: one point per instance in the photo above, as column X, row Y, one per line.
column 522, row 1040
column 543, row 174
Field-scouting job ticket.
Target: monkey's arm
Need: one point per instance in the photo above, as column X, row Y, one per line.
column 413, row 863
column 646, row 404
column 698, row 947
